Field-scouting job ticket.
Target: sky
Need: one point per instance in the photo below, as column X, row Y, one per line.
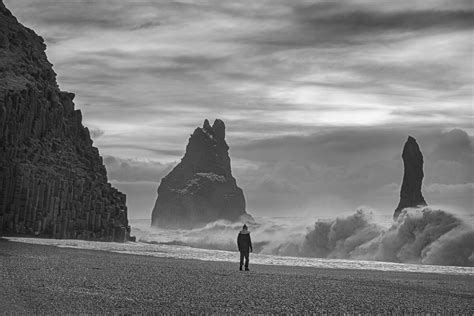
column 318, row 97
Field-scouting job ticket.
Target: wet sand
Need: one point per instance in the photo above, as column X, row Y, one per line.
column 48, row 279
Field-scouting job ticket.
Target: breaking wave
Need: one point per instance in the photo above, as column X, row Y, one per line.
column 420, row 236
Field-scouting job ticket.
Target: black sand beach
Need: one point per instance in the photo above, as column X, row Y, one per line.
column 47, row 279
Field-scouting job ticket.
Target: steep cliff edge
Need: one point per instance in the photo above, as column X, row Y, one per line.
column 410, row 193
column 52, row 180
column 201, row 188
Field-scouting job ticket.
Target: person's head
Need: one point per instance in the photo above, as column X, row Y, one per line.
column 244, row 227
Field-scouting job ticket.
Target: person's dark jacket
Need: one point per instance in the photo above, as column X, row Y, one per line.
column 244, row 242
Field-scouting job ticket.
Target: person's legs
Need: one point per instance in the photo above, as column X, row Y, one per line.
column 246, row 260
column 241, row 259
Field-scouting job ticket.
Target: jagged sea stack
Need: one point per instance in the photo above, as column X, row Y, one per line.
column 410, row 193
column 52, row 180
column 201, row 188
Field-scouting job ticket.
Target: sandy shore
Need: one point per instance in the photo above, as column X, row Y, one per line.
column 47, row 279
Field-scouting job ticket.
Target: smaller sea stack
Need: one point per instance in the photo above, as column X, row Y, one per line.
column 410, row 193
column 201, row 188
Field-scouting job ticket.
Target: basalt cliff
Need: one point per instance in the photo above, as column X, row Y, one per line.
column 53, row 182
column 410, row 193
column 201, row 188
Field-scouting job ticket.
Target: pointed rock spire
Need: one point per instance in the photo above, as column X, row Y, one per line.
column 201, row 188
column 410, row 193
column 206, row 126
column 219, row 129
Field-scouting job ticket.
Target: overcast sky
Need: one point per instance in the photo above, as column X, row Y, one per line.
column 318, row 96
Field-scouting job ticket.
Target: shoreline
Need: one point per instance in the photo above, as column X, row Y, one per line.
column 50, row 279
column 213, row 255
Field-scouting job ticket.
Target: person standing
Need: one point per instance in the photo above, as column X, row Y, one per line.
column 245, row 246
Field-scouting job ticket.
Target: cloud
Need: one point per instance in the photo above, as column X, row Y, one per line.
column 352, row 19
column 334, row 146
column 452, row 158
column 456, row 145
column 141, row 197
column 149, row 24
column 286, row 63
column 149, row 149
column 96, row 132
column 455, row 189
column 280, row 186
column 132, row 170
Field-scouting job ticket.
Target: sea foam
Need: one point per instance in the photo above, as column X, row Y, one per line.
column 419, row 236
column 421, row 240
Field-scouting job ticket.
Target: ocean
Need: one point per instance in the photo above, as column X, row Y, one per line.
column 422, row 240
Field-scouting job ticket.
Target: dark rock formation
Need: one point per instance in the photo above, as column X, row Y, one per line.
column 201, row 188
column 410, row 193
column 52, row 180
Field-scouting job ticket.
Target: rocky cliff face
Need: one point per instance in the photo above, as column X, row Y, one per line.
column 201, row 188
column 52, row 180
column 410, row 193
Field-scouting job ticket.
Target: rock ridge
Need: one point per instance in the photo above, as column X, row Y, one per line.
column 53, row 182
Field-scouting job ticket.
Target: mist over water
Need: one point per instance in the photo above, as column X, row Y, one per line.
column 419, row 236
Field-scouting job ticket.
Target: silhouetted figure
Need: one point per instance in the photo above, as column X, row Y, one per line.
column 245, row 246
